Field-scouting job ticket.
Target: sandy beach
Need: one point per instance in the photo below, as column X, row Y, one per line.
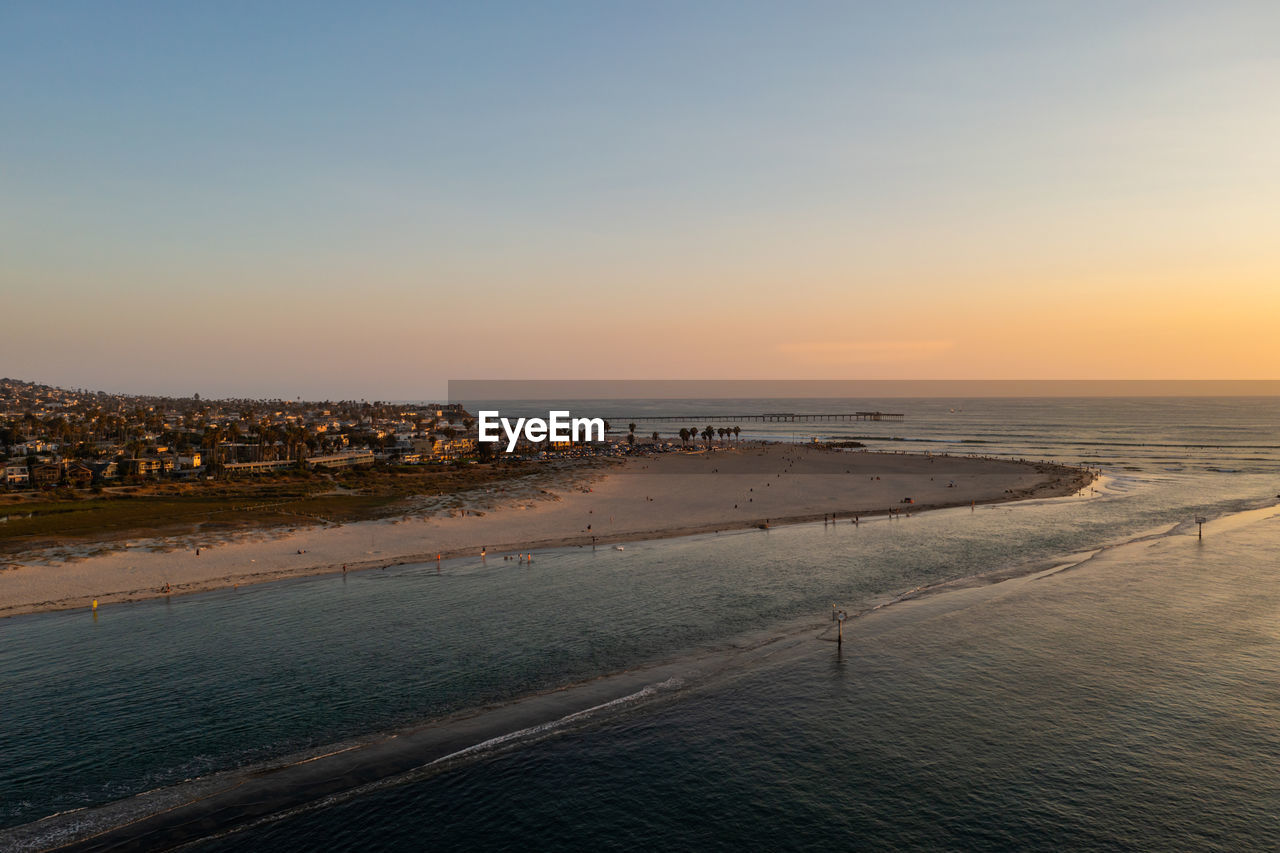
column 645, row 498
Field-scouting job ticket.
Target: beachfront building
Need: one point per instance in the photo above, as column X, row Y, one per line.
column 343, row 460
column 332, row 460
column 141, row 466
column 109, row 470
column 448, row 449
column 269, row 466
column 46, row 475
column 17, row 476
column 79, row 475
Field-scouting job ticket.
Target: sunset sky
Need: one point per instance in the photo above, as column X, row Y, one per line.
column 367, row 200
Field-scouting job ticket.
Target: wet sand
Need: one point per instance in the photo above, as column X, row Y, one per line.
column 667, row 495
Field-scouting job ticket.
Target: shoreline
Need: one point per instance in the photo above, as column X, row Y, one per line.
column 689, row 489
column 340, row 771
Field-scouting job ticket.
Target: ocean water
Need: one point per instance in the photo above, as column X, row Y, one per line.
column 1120, row 691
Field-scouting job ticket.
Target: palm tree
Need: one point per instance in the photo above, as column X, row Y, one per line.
column 684, row 436
column 298, row 443
column 655, row 436
column 212, row 439
column 737, row 430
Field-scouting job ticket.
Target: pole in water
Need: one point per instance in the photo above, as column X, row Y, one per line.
column 1200, row 520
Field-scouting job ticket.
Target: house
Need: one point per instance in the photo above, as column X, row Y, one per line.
column 454, row 448
column 106, row 470
column 79, row 475
column 46, row 475
column 16, row 476
column 141, row 466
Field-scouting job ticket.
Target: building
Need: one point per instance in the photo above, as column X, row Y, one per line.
column 46, row 475
column 106, row 470
column 16, row 476
column 141, row 466
column 444, row 449
column 79, row 475
column 342, row 460
column 268, row 467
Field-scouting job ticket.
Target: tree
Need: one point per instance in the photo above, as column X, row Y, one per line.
column 737, row 430
column 655, row 436
column 211, row 439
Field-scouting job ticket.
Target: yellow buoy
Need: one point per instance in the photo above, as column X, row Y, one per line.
column 95, row 604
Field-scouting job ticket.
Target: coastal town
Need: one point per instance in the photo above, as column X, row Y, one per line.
column 55, row 438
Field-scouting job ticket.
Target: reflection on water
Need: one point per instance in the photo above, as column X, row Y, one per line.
column 1129, row 705
column 1027, row 711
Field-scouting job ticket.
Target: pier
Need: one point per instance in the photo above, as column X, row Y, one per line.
column 776, row 417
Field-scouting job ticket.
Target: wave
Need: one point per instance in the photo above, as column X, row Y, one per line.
column 162, row 818
column 272, row 791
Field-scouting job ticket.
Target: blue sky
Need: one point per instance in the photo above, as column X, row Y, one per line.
column 336, row 200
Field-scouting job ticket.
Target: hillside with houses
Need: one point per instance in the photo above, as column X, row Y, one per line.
column 52, row 437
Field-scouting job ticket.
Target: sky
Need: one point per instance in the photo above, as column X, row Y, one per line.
column 341, row 200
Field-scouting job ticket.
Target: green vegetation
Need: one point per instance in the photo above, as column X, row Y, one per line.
column 65, row 516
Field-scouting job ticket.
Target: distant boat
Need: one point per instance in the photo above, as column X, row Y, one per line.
column 618, row 548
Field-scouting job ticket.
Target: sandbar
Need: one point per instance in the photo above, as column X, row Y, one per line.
column 642, row 498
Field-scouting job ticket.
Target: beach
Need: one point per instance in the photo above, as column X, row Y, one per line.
column 660, row 496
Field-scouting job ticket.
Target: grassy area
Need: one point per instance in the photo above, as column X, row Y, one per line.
column 65, row 517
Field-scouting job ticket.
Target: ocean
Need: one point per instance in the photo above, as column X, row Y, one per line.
column 1119, row 689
